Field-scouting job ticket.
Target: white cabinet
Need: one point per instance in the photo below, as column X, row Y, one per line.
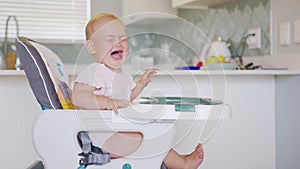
column 135, row 11
column 196, row 3
column 248, row 136
column 138, row 10
column 106, row 6
column 138, row 6
column 18, row 111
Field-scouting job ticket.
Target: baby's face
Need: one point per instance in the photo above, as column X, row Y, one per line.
column 111, row 44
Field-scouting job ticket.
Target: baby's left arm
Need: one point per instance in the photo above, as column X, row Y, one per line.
column 142, row 82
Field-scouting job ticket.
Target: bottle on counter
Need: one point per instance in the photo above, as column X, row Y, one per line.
column 11, row 60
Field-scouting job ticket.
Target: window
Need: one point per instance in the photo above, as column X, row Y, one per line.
column 50, row 20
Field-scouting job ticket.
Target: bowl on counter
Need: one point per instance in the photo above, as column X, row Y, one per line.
column 221, row 66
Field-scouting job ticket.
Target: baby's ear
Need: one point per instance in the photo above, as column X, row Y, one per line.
column 90, row 47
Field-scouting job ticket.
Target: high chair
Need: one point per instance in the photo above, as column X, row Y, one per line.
column 55, row 132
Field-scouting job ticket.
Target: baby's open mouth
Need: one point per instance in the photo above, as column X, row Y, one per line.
column 117, row 55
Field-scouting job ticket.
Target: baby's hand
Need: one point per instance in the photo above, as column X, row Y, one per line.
column 114, row 104
column 146, row 77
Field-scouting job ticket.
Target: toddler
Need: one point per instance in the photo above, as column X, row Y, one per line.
column 103, row 85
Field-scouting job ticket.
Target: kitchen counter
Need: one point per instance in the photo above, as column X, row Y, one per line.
column 230, row 72
column 11, row 72
column 187, row 72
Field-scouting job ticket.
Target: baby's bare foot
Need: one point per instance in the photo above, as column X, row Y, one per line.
column 193, row 160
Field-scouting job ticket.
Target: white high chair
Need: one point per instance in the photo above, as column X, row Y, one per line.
column 55, row 130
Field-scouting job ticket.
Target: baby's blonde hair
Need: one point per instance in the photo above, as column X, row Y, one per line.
column 102, row 17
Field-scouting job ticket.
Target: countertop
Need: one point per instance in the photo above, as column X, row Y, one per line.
column 188, row 72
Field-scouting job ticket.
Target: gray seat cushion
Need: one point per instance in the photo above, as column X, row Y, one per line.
column 37, row 74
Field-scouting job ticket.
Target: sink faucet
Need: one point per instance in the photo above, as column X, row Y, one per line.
column 5, row 43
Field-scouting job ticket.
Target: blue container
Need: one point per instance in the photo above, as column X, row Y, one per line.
column 188, row 68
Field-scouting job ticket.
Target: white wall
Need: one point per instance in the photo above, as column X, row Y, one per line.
column 287, row 108
column 284, row 56
column 287, row 122
column 285, row 11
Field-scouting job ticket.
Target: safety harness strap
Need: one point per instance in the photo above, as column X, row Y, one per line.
column 91, row 154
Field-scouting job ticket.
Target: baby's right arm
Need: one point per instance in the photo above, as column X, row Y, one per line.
column 83, row 97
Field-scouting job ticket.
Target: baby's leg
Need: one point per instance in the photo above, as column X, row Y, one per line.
column 174, row 160
column 123, row 143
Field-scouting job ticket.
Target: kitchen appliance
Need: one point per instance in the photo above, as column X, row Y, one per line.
column 216, row 48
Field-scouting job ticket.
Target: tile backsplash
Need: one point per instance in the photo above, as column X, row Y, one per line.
column 232, row 20
column 198, row 27
column 177, row 42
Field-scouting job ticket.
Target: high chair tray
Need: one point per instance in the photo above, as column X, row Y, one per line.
column 148, row 109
